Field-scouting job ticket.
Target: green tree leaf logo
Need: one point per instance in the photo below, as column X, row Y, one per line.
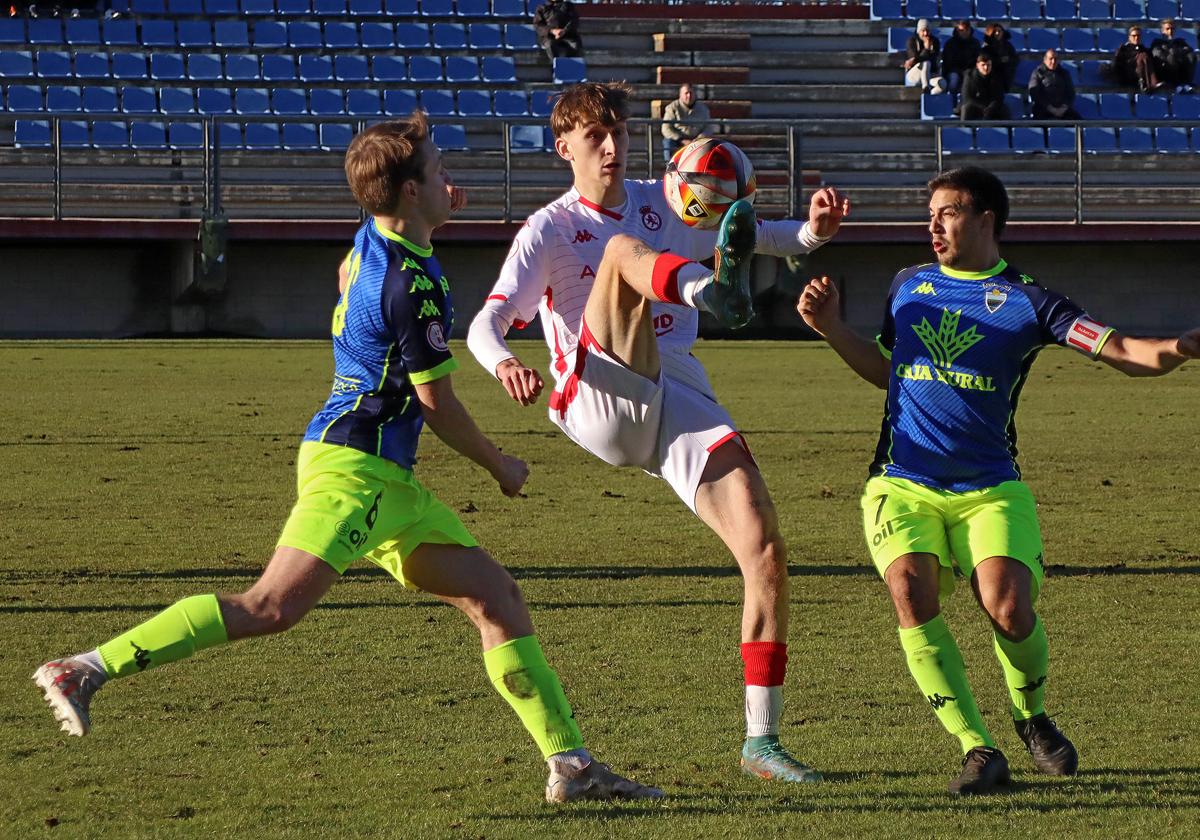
column 947, row 343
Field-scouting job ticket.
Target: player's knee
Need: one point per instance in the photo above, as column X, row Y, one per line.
column 1010, row 615
column 497, row 605
column 915, row 600
column 265, row 615
column 766, row 560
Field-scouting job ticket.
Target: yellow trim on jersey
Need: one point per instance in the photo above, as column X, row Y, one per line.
column 395, row 237
column 325, row 431
column 883, row 351
column 422, row 376
column 974, row 275
column 1103, row 340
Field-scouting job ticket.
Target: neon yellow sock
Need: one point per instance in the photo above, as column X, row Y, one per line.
column 175, row 633
column 937, row 666
column 1025, row 664
column 519, row 672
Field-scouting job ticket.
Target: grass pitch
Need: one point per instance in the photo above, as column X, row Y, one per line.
column 138, row 473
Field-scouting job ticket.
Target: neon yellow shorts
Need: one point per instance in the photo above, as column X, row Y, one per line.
column 350, row 505
column 964, row 529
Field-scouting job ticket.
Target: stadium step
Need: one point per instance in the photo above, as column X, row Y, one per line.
column 703, row 75
column 701, row 42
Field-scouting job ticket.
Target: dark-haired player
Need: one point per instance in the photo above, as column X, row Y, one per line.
column 958, row 339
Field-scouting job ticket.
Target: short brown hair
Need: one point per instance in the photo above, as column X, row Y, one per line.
column 985, row 190
column 382, row 158
column 590, row 102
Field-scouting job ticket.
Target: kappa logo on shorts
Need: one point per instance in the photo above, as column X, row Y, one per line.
column 650, row 219
column 353, row 535
column 436, row 336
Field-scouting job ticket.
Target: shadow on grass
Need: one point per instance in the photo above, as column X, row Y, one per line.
column 374, row 605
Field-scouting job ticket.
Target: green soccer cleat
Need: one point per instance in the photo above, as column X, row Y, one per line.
column 728, row 295
column 984, row 770
column 570, row 783
column 771, row 761
column 68, row 686
column 1052, row 753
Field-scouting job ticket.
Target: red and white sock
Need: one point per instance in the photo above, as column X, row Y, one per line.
column 765, row 666
column 679, row 280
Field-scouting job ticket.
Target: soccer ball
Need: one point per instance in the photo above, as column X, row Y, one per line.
column 704, row 178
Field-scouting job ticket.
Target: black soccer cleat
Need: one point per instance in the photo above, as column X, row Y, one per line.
column 728, row 296
column 983, row 770
column 1052, row 753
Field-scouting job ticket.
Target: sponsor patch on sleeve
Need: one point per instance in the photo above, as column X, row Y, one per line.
column 1087, row 336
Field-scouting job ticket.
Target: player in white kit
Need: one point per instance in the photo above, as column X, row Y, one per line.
column 610, row 270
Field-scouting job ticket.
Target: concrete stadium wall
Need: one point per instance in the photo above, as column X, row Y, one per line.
column 277, row 289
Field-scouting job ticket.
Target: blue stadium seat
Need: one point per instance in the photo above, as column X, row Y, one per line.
column 341, row 36
column 569, row 71
column 1115, row 106
column 110, row 134
column 129, row 66
column 474, row 103
column 438, row 103
column 16, row 64
column 292, row 8
column 1159, row 9
column 304, row 35
column 915, row 9
column 1171, row 139
column 937, row 106
column 957, row 9
column 91, row 65
column 1129, row 9
column 1088, row 106
column 52, row 64
column 1091, row 73
column 992, row 139
column 516, row 8
column 120, row 33
column 371, row 8
column 316, row 68
column 289, row 101
column 12, row 31
column 231, row 33
column 29, row 97
column 520, row 36
column 45, row 32
column 258, row 8
column 300, row 137
column 328, row 102
column 1185, row 106
column 526, row 138
column 31, row 133
column 278, row 68
column 148, row 7
column 100, row 100
column 450, row 138
column 361, row 102
column 158, row 33
column 1059, row 10
column 1026, row 9
column 1079, row 40
column 138, row 100
column 229, row 135
column 461, row 69
column 424, row 68
column 187, row 8
column 1150, row 107
column 1136, row 140
column 1040, row 39
column 437, row 8
column 62, row 99
column 215, row 8
column 335, row 137
column 511, row 103
column 412, row 36
column 378, row 36
column 472, row 8
column 73, row 133
column 1016, row 105
column 270, row 34
column 329, row 8
column 898, row 38
column 1189, row 37
column 990, row 9
column 177, row 100
column 1026, row 140
column 195, row 33
column 399, row 103
column 1109, row 40
column 183, row 135
column 351, row 68
column 498, row 70
column 957, row 138
column 262, row 136
column 251, row 101
column 486, row 37
column 166, row 67
column 214, row 101
column 204, row 67
column 541, row 102
column 388, row 68
column 1016, row 37
column 242, row 68
column 1097, row 139
column 449, row 36
column 82, row 32
column 1060, row 139
column 1094, row 10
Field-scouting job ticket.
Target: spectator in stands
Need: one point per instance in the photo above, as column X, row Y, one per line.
column 1051, row 90
column 998, row 43
column 1174, row 60
column 959, row 54
column 1133, row 65
column 983, row 92
column 921, row 66
column 557, row 25
column 685, row 119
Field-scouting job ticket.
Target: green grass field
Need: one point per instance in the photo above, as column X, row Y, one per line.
column 138, row 473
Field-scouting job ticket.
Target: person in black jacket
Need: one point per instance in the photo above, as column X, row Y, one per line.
column 959, row 54
column 1174, row 59
column 1051, row 90
column 1133, row 65
column 983, row 93
column 998, row 43
column 921, row 64
column 557, row 26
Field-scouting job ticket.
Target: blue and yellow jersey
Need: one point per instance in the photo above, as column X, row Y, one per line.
column 389, row 334
column 960, row 346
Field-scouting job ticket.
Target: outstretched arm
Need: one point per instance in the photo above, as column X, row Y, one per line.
column 819, row 306
column 825, row 213
column 486, row 341
column 1149, row 356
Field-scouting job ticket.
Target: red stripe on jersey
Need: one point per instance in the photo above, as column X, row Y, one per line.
column 723, row 441
column 765, row 662
column 560, row 363
column 604, row 211
column 561, row 400
column 665, row 277
column 498, row 297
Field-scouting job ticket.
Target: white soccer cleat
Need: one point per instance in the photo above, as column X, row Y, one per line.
column 68, row 686
column 595, row 781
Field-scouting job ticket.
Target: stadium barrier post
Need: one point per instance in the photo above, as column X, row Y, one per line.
column 650, row 151
column 56, row 127
column 793, row 186
column 206, row 139
column 937, row 142
column 1078, row 174
column 359, row 129
column 504, row 129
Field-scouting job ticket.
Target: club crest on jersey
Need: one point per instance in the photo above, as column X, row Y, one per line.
column 436, row 336
column 650, row 219
column 994, row 297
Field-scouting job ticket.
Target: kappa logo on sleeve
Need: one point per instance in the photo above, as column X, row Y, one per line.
column 436, row 336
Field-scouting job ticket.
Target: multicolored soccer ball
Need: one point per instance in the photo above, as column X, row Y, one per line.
column 704, row 178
